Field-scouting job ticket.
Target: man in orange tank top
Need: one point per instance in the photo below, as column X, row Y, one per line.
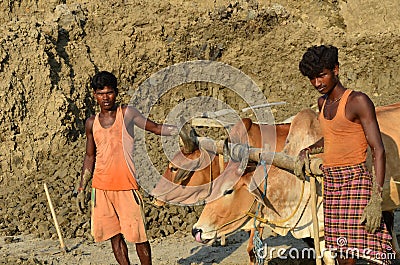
column 116, row 204
column 353, row 223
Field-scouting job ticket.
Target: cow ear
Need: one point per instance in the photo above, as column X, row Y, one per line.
column 239, row 132
column 258, row 188
column 258, row 194
column 262, row 198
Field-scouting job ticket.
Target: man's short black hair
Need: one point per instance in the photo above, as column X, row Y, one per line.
column 317, row 58
column 103, row 79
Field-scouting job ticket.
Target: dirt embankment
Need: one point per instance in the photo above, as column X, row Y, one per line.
column 50, row 49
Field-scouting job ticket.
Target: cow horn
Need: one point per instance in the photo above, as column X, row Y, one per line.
column 189, row 137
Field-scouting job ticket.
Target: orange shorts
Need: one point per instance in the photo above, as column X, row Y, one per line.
column 115, row 212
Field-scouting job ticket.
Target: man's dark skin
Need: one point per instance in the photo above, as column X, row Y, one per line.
column 106, row 98
column 359, row 109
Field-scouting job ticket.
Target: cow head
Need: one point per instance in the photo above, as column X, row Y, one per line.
column 218, row 216
column 229, row 212
column 189, row 175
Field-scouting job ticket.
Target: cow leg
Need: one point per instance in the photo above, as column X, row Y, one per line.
column 346, row 261
column 309, row 241
column 388, row 217
column 250, row 247
column 327, row 256
column 395, row 244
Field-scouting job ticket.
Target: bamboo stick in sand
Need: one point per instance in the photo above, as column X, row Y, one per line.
column 55, row 219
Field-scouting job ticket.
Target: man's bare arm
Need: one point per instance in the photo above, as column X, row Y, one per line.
column 364, row 112
column 134, row 116
column 89, row 159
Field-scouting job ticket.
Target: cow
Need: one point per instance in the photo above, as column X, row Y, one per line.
column 242, row 132
column 182, row 186
column 285, row 191
column 286, row 204
column 281, row 184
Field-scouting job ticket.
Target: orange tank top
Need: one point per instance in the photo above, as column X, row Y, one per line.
column 112, row 170
column 344, row 141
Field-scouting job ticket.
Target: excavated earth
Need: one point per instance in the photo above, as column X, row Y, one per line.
column 49, row 49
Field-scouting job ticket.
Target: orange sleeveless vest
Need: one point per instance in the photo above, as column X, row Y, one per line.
column 112, row 170
column 345, row 143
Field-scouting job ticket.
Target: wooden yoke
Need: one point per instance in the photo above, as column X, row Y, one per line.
column 239, row 152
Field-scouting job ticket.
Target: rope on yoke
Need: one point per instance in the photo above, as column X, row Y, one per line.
column 258, row 247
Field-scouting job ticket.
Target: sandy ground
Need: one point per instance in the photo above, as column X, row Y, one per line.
column 50, row 49
column 176, row 249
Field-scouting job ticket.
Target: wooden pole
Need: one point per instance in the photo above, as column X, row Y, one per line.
column 263, row 105
column 313, row 191
column 55, row 219
column 221, row 163
column 278, row 159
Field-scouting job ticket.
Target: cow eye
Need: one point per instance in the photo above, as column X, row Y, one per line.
column 226, row 192
column 174, row 169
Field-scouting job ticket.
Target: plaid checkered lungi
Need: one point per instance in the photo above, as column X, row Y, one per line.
column 347, row 190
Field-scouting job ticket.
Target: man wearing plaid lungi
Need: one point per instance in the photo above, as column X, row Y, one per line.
column 353, row 223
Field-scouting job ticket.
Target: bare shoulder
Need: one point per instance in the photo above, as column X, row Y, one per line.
column 129, row 111
column 359, row 107
column 357, row 94
column 124, row 108
column 321, row 101
column 89, row 121
column 359, row 99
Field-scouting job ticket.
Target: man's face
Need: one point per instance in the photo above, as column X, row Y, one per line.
column 325, row 81
column 105, row 97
